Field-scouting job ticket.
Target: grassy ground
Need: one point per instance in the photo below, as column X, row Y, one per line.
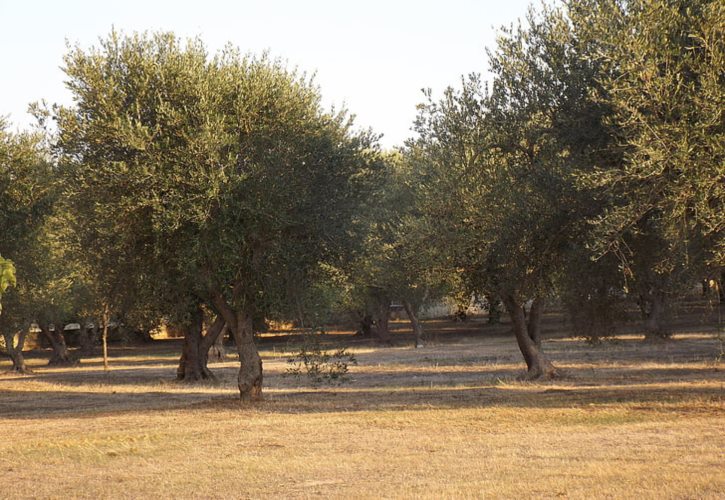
column 630, row 419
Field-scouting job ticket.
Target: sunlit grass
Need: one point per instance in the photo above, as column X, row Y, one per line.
column 450, row 420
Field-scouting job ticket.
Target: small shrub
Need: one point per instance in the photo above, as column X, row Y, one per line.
column 320, row 366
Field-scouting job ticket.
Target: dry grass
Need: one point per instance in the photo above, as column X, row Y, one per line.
column 450, row 420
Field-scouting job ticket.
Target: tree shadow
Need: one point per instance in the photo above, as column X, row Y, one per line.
column 467, row 373
column 79, row 404
column 376, row 392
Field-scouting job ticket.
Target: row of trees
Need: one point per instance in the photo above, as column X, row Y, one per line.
column 207, row 192
column 592, row 166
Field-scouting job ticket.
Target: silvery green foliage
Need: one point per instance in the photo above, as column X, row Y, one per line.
column 320, row 365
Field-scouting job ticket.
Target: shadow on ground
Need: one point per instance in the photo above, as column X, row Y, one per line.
column 457, row 371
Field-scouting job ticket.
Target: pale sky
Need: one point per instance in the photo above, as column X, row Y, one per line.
column 374, row 56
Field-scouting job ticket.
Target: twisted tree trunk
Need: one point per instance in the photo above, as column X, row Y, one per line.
column 193, row 365
column 217, row 352
column 240, row 323
column 538, row 365
column 60, row 356
column 15, row 351
column 652, row 304
column 414, row 322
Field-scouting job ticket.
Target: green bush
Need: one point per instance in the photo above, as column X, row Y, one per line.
column 320, row 366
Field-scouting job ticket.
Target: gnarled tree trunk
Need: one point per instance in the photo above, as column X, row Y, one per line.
column 414, row 322
column 241, row 325
column 60, row 356
column 250, row 371
column 652, row 304
column 87, row 338
column 15, row 351
column 538, row 365
column 195, row 352
column 216, row 352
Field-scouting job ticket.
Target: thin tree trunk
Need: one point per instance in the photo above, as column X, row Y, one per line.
column 415, row 323
column 15, row 351
column 300, row 310
column 104, row 335
column 538, row 366
column 60, row 356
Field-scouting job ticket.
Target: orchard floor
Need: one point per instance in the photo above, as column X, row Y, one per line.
column 450, row 420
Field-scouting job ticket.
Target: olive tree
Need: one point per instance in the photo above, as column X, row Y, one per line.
column 207, row 179
column 661, row 74
column 26, row 196
column 395, row 263
column 7, row 276
column 502, row 165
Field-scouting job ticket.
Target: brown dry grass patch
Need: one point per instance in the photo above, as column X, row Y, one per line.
column 447, row 421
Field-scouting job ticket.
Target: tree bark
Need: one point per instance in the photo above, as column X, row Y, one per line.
column 494, row 309
column 534, row 321
column 538, row 365
column 192, row 364
column 87, row 339
column 415, row 323
column 366, row 325
column 653, row 307
column 60, row 356
column 15, row 351
column 382, row 321
column 250, row 369
column 215, row 336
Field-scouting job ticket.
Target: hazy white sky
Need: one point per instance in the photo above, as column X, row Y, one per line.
column 373, row 55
